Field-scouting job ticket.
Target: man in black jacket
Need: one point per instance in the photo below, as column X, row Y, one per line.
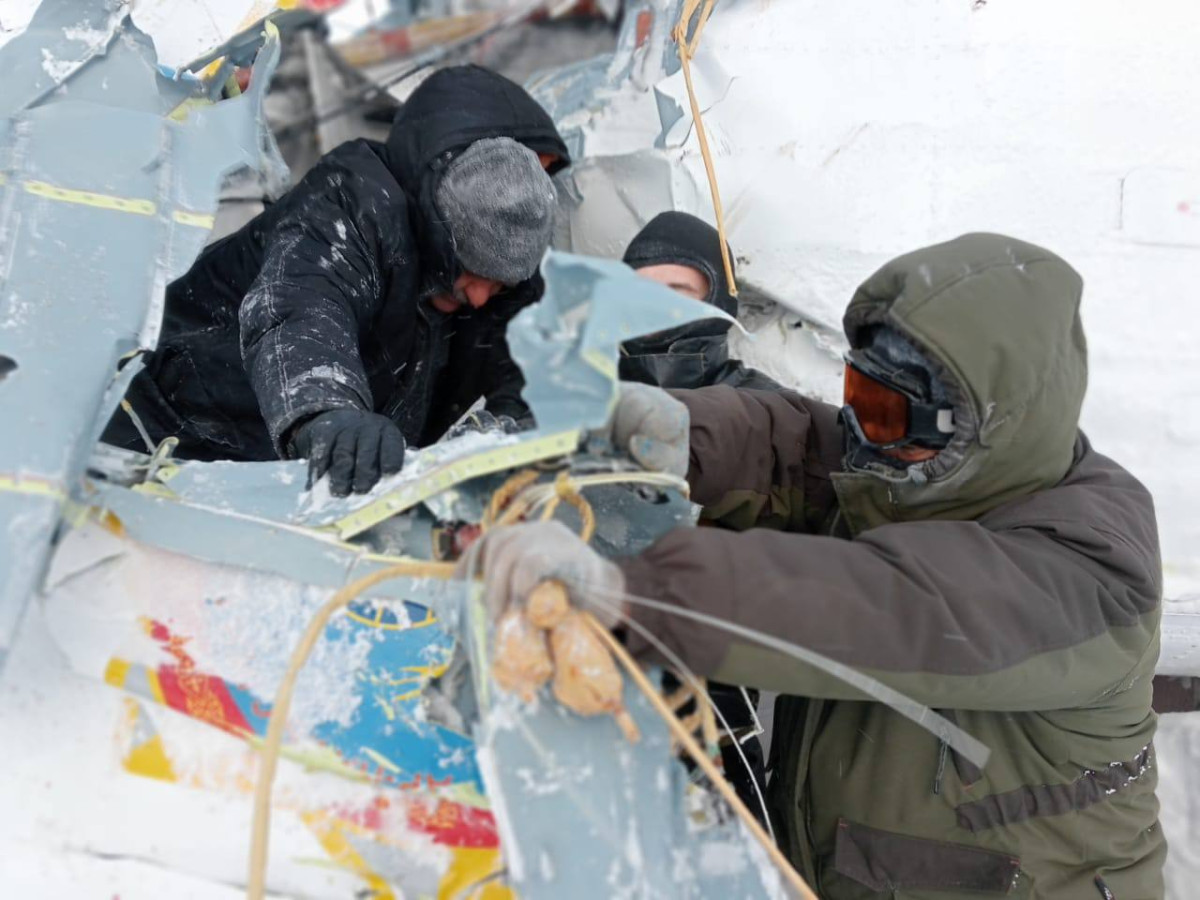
column 684, row 253
column 366, row 309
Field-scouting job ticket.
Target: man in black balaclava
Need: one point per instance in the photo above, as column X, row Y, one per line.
column 366, row 309
column 684, row 253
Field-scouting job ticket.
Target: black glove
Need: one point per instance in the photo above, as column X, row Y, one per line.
column 355, row 447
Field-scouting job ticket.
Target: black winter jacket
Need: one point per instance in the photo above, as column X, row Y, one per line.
column 318, row 303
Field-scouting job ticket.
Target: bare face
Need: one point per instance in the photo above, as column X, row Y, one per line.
column 682, row 279
column 470, row 290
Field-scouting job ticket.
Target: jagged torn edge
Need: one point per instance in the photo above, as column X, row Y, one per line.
column 568, row 344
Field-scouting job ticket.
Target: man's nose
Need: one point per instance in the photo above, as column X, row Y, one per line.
column 480, row 292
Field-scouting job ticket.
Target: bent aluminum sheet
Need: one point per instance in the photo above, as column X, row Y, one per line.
column 582, row 813
column 88, row 241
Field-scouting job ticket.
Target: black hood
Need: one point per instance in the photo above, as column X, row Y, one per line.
column 682, row 239
column 451, row 109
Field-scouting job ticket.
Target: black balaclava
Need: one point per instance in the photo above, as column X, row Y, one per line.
column 682, row 239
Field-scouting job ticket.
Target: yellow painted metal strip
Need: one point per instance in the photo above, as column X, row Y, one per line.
column 36, row 487
column 332, row 835
column 184, row 109
column 117, row 671
column 380, row 760
column 89, row 198
column 148, row 758
column 198, row 220
column 453, row 473
column 468, row 867
column 155, row 687
column 155, row 490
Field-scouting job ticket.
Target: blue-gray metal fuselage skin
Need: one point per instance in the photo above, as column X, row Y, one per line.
column 88, row 242
column 103, row 200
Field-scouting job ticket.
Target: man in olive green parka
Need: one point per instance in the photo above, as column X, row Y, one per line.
column 1006, row 575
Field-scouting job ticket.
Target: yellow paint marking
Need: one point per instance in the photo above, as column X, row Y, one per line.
column 469, row 866
column 116, row 672
column 89, row 198
column 197, row 220
column 380, row 759
column 33, row 486
column 331, row 835
column 452, row 473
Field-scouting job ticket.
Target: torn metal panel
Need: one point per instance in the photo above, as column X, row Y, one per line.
column 88, row 243
column 265, row 545
column 63, row 37
column 571, row 338
column 186, row 30
column 632, row 838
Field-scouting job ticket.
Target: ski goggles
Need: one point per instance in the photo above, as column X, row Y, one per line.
column 890, row 407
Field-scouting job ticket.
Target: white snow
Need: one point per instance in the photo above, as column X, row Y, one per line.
column 56, row 68
column 93, row 37
column 14, row 17
column 851, row 132
column 184, row 30
column 847, row 133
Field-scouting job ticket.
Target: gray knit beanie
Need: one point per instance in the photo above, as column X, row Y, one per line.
column 498, row 203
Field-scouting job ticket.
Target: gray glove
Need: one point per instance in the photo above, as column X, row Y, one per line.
column 354, row 446
column 517, row 558
column 652, row 427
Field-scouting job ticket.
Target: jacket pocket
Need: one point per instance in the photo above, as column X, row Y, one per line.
column 885, row 861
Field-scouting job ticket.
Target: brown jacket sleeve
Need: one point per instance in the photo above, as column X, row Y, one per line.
column 1045, row 603
column 762, row 458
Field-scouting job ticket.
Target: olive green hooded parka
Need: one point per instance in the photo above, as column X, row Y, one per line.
column 1012, row 583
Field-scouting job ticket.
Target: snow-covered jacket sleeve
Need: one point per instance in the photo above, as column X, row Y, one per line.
column 301, row 321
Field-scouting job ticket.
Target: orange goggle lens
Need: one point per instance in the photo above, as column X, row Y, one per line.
column 882, row 412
